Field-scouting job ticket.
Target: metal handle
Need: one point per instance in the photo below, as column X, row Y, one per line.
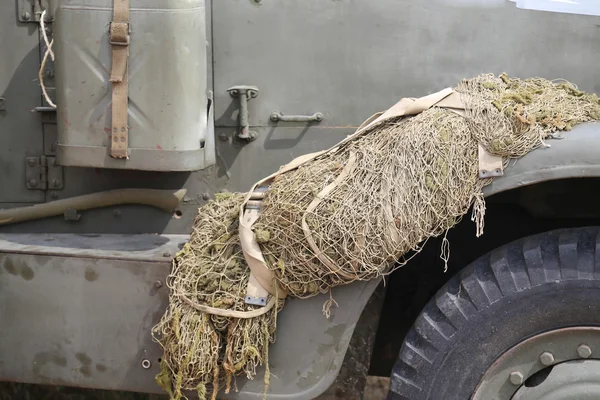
column 277, row 116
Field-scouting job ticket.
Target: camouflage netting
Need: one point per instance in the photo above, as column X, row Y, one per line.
column 350, row 214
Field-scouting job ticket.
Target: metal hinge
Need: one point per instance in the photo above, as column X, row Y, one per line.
column 43, row 173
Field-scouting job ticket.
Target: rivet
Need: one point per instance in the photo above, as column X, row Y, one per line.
column 584, row 351
column 31, row 162
column 146, row 364
column 32, row 182
column 26, row 16
column 158, row 284
column 547, row 358
column 205, row 196
column 166, row 254
column 516, row 378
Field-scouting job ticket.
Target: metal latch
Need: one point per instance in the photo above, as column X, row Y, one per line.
column 244, row 93
column 43, row 173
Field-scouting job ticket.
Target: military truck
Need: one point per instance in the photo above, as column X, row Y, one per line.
column 215, row 95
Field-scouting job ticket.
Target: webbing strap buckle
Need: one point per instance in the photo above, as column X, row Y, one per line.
column 119, row 33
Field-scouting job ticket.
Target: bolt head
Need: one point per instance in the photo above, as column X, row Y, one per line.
column 26, row 16
column 205, row 196
column 223, row 137
column 584, row 351
column 31, row 162
column 158, row 284
column 166, row 254
column 547, row 358
column 32, row 182
column 516, row 378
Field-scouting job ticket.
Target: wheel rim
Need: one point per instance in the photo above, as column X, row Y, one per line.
column 560, row 358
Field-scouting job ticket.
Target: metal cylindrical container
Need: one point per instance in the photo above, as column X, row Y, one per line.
column 167, row 110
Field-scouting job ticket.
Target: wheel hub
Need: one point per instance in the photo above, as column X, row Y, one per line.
column 567, row 381
column 554, row 365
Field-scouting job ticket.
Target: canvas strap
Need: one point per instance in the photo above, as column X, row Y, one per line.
column 262, row 278
column 119, row 39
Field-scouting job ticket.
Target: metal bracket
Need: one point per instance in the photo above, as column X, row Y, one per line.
column 31, row 10
column 48, row 114
column 244, row 93
column 489, row 165
column 255, row 293
column 42, row 173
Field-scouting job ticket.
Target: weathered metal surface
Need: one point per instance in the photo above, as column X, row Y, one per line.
column 574, row 156
column 310, row 55
column 410, row 48
column 20, row 129
column 80, row 308
column 167, row 84
column 310, row 349
column 352, row 378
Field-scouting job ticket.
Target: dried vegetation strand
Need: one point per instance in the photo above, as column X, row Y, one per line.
column 202, row 351
column 354, row 213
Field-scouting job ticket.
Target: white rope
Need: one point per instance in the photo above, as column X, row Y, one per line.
column 45, row 58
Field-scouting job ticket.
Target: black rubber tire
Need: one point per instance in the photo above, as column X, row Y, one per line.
column 530, row 286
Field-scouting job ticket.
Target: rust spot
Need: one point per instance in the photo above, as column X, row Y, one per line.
column 14, row 268
column 107, row 130
column 90, row 275
column 26, row 273
column 86, row 364
column 101, row 367
column 83, row 358
column 158, row 147
column 10, row 266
